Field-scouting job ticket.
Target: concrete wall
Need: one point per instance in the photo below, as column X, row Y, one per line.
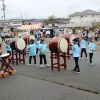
column 84, row 20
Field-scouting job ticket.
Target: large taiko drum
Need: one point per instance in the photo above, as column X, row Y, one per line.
column 18, row 44
column 26, row 38
column 58, row 44
column 5, row 56
column 32, row 37
column 68, row 37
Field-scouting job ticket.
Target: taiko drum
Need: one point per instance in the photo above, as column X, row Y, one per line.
column 58, row 44
column 68, row 37
column 17, row 44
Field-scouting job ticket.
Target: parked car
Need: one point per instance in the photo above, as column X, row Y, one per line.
column 48, row 32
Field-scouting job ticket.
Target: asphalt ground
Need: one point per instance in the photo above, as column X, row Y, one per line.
column 83, row 86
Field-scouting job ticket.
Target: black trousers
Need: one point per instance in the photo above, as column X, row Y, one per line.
column 43, row 56
column 76, row 63
column 83, row 50
column 90, row 57
column 30, row 58
column 37, row 50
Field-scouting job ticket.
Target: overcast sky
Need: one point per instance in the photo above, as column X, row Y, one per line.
column 45, row 8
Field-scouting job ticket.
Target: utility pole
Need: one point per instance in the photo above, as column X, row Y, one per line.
column 3, row 8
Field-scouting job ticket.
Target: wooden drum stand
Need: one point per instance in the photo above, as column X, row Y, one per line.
column 58, row 47
column 18, row 51
column 5, row 61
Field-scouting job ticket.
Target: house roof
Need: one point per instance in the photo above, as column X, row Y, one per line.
column 85, row 12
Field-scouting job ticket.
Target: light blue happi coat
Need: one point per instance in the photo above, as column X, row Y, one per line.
column 43, row 48
column 32, row 49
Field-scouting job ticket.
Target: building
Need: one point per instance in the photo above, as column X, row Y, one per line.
column 83, row 19
column 15, row 22
column 11, row 23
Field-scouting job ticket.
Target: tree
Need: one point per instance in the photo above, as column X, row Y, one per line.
column 50, row 20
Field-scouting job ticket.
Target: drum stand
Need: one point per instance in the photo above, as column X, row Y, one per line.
column 18, row 56
column 57, row 56
column 6, row 65
column 68, row 51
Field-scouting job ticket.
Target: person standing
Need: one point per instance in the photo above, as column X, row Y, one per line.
column 83, row 48
column 38, row 35
column 37, row 45
column 75, row 50
column 32, row 51
column 43, row 50
column 92, row 48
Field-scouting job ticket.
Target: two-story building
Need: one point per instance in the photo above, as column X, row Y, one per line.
column 83, row 19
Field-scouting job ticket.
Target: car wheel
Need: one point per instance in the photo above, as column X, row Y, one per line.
column 47, row 35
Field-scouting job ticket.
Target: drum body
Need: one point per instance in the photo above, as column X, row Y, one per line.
column 32, row 37
column 26, row 38
column 58, row 44
column 17, row 44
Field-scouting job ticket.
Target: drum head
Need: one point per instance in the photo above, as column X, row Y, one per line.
column 32, row 37
column 20, row 44
column 62, row 45
column 0, row 40
column 5, row 55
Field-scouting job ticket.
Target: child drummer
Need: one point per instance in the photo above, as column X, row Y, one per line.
column 76, row 55
column 32, row 51
column 43, row 50
column 83, row 47
column 92, row 48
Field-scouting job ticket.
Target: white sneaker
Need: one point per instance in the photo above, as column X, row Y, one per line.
column 80, row 58
column 86, row 58
column 92, row 64
column 41, row 66
column 47, row 65
column 28, row 64
column 34, row 65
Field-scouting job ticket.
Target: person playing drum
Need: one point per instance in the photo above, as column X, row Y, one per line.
column 76, row 54
column 8, row 48
column 92, row 48
column 32, row 51
column 43, row 49
column 83, row 47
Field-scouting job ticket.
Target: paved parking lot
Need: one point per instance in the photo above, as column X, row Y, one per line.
column 44, row 84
